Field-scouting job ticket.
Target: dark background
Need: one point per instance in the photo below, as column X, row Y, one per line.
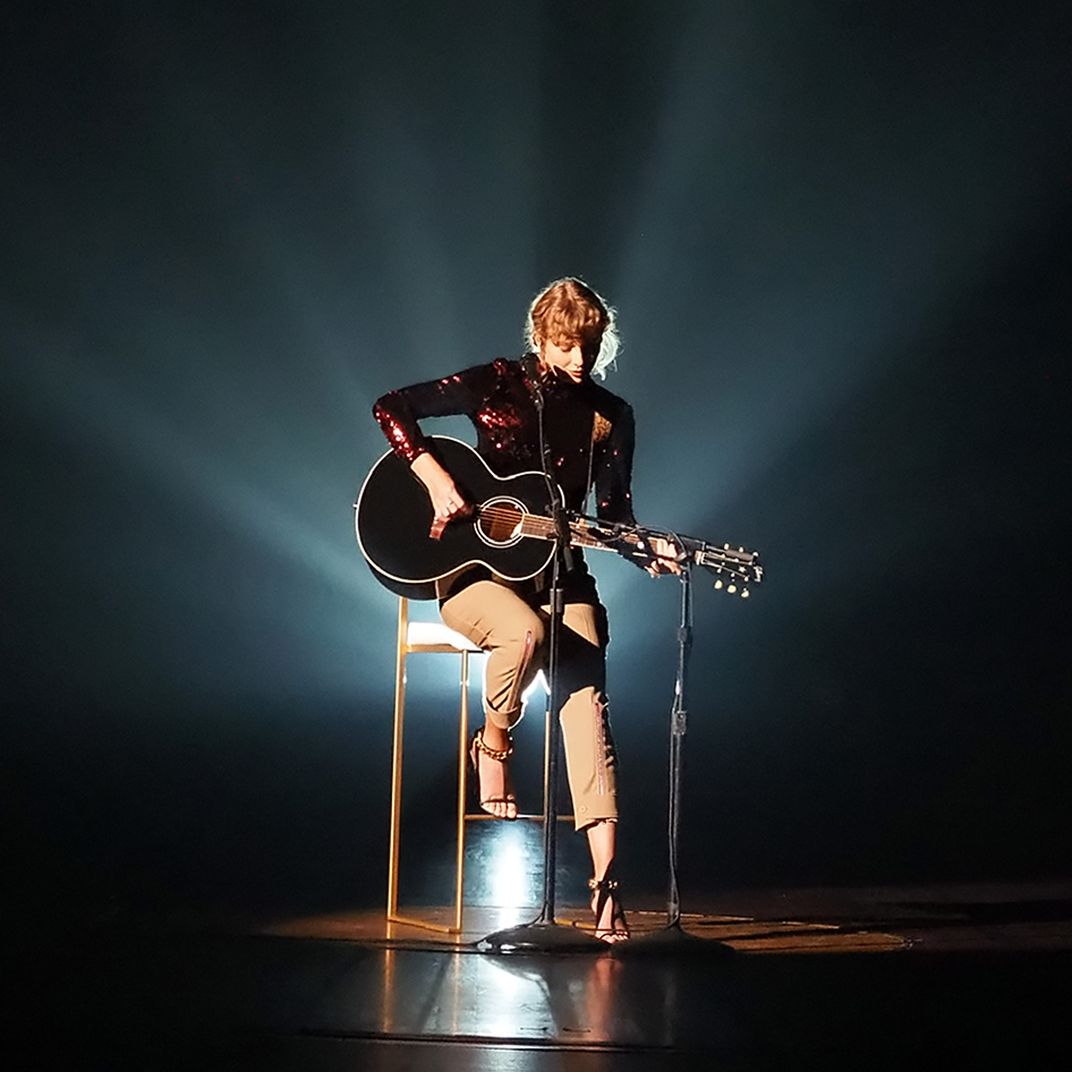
column 838, row 236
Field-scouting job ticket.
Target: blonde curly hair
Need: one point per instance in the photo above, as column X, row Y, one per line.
column 569, row 310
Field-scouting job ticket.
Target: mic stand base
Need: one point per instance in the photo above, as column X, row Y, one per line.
column 672, row 940
column 541, row 936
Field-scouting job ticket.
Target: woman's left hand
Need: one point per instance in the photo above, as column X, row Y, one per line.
column 664, row 558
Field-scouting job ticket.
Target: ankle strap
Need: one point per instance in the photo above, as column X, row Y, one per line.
column 500, row 755
column 602, row 884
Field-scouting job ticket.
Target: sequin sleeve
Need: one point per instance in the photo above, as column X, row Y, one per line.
column 398, row 412
column 613, row 470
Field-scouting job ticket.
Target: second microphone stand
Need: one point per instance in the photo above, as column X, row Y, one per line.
column 672, row 937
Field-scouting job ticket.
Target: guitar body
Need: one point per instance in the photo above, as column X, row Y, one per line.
column 393, row 517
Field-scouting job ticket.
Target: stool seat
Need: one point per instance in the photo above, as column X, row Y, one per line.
column 435, row 636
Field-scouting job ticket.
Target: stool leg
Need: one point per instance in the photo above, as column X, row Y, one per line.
column 463, row 768
column 396, row 758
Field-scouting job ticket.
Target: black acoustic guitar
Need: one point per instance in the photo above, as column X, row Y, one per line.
column 509, row 530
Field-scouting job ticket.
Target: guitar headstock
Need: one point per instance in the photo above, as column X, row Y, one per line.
column 734, row 568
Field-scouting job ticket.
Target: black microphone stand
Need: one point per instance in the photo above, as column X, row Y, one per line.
column 672, row 937
column 545, row 934
column 678, row 725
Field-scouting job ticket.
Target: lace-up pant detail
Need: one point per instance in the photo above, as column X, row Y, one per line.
column 496, row 618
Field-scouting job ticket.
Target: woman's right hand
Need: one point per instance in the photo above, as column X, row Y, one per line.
column 447, row 501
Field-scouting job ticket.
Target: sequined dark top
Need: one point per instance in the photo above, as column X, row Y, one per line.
column 588, row 430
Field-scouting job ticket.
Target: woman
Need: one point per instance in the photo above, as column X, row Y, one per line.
column 589, row 439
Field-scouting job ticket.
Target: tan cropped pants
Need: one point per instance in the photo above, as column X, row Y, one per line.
column 493, row 616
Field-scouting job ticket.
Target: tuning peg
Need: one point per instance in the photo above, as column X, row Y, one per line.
column 731, row 588
column 745, row 593
column 718, row 584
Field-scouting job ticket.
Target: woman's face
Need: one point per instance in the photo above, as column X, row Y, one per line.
column 571, row 357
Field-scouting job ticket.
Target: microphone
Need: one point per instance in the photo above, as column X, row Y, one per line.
column 530, row 363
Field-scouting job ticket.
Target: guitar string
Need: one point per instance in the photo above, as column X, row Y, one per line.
column 537, row 525
column 535, row 522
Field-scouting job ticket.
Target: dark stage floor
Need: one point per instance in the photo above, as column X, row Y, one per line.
column 970, row 975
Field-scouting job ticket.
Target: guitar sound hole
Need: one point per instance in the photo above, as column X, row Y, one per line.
column 499, row 520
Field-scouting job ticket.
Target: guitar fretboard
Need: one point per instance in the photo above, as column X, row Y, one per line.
column 508, row 522
column 501, row 521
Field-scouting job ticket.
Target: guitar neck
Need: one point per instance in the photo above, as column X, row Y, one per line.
column 543, row 528
column 735, row 563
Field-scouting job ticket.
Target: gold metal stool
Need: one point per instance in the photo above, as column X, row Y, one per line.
column 436, row 638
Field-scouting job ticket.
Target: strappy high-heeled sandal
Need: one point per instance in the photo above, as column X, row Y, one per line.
column 604, row 892
column 499, row 756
